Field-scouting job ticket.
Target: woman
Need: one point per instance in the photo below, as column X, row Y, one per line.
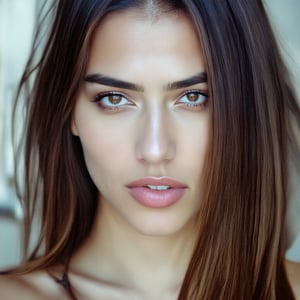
column 158, row 138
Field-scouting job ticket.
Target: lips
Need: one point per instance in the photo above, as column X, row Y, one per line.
column 156, row 192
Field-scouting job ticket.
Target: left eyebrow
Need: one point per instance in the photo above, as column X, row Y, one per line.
column 114, row 82
column 196, row 79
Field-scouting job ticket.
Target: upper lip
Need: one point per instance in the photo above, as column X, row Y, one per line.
column 149, row 180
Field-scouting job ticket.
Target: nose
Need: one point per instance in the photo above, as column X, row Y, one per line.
column 155, row 144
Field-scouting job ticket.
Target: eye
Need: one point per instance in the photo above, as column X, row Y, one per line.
column 112, row 101
column 193, row 99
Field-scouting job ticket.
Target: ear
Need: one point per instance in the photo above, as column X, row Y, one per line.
column 73, row 127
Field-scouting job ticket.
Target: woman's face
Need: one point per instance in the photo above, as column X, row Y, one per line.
column 143, row 118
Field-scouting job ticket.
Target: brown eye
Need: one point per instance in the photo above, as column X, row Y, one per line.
column 193, row 97
column 112, row 101
column 115, row 99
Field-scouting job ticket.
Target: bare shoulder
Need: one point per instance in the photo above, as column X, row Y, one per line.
column 16, row 287
column 293, row 273
column 36, row 285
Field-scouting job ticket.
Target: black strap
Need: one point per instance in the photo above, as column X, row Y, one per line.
column 65, row 283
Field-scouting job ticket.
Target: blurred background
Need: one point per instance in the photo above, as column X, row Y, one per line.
column 17, row 22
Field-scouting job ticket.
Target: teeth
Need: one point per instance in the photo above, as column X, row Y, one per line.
column 158, row 187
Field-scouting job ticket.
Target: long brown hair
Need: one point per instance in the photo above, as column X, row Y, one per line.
column 239, row 253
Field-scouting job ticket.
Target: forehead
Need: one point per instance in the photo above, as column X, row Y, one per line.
column 130, row 36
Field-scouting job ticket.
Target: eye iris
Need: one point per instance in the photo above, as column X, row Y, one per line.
column 115, row 99
column 193, row 97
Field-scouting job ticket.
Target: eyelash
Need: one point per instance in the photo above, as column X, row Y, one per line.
column 190, row 105
column 99, row 100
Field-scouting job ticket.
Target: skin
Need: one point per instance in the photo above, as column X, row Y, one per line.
column 156, row 132
column 153, row 131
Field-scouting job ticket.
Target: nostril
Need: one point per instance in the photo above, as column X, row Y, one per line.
column 154, row 150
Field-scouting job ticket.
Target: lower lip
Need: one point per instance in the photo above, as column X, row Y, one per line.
column 154, row 198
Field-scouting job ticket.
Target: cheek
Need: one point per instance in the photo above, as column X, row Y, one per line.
column 195, row 134
column 105, row 151
column 193, row 148
column 100, row 138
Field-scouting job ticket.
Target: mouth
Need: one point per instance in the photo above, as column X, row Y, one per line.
column 156, row 192
column 158, row 187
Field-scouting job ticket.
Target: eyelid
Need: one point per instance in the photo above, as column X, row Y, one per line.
column 200, row 92
column 100, row 100
column 129, row 102
column 101, row 95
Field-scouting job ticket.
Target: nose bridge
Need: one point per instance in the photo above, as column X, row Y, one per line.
column 155, row 142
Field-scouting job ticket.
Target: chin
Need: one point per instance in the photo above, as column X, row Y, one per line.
column 160, row 226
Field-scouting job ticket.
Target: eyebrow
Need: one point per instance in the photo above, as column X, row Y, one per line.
column 114, row 82
column 196, row 79
column 105, row 80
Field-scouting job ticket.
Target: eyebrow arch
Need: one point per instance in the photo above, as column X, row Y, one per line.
column 196, row 79
column 105, row 80
column 109, row 81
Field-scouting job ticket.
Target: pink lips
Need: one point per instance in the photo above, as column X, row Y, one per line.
column 156, row 192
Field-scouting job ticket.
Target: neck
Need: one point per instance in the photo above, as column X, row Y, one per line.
column 118, row 253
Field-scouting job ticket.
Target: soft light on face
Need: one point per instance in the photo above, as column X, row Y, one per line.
column 143, row 112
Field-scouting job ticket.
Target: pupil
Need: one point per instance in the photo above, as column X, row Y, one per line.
column 115, row 99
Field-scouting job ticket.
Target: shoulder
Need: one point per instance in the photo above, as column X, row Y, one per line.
column 33, row 286
column 17, row 287
column 293, row 273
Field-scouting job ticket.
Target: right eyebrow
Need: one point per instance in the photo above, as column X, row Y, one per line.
column 109, row 81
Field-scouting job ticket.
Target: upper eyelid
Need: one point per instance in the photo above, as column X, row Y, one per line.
column 100, row 95
column 128, row 98
column 202, row 92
